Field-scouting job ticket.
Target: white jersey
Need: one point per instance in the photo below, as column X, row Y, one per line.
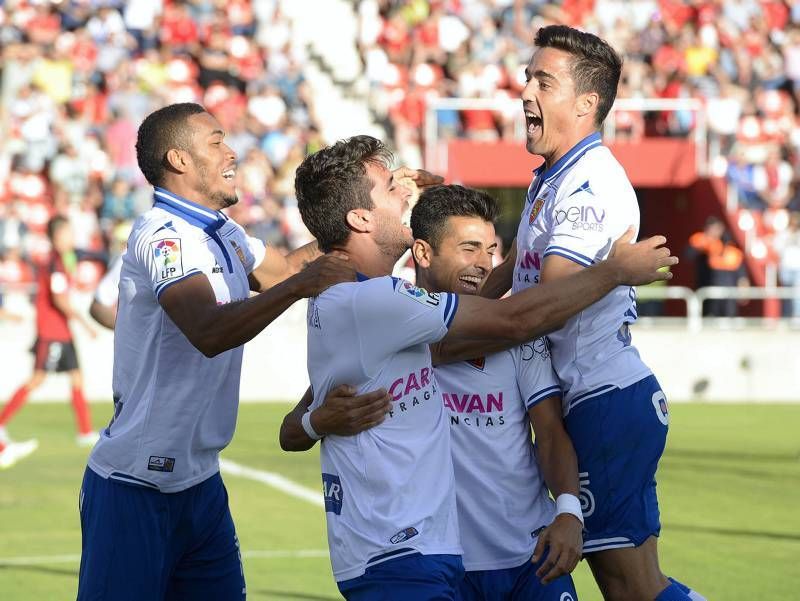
column 503, row 501
column 174, row 408
column 576, row 209
column 108, row 289
column 389, row 491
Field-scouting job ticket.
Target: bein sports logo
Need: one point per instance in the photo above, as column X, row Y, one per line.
column 584, row 217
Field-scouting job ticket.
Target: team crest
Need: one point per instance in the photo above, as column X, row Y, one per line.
column 478, row 363
column 537, row 206
column 239, row 251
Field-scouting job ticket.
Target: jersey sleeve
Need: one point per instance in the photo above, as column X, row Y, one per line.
column 169, row 259
column 254, row 253
column 108, row 289
column 392, row 314
column 587, row 219
column 535, row 376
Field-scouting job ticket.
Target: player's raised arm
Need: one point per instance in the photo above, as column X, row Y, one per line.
column 214, row 328
column 342, row 413
column 485, row 326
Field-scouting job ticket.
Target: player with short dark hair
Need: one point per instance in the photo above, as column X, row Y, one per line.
column 54, row 349
column 505, row 515
column 579, row 201
column 389, row 490
column 154, row 511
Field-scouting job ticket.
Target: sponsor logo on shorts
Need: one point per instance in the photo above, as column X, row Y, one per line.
column 403, row 535
column 334, row 495
column 160, row 464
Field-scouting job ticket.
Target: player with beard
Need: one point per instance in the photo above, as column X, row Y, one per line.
column 504, row 510
column 389, row 490
column 154, row 511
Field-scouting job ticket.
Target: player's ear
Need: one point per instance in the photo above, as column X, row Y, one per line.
column 176, row 160
column 359, row 220
column 587, row 103
column 422, row 253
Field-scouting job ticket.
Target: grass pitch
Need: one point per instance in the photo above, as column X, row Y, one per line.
column 728, row 486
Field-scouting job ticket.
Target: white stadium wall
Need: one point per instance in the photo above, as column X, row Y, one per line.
column 736, row 365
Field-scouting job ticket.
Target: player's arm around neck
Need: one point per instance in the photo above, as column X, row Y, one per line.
column 213, row 329
column 484, row 326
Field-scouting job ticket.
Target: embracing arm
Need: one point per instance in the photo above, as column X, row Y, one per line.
column 500, row 280
column 483, row 326
column 276, row 267
column 213, row 328
column 341, row 413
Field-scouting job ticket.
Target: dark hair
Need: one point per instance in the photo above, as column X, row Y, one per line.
column 332, row 182
column 436, row 204
column 596, row 67
column 161, row 131
column 55, row 224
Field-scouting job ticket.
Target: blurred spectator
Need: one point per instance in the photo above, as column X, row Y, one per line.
column 701, row 246
column 788, row 245
column 726, row 268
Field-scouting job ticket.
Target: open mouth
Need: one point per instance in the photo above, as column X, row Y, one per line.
column 229, row 174
column 533, row 123
column 470, row 283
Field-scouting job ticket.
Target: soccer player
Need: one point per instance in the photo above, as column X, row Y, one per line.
column 579, row 201
column 389, row 491
column 54, row 349
column 491, row 402
column 154, row 511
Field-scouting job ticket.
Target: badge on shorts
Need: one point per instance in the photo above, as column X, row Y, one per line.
column 167, row 255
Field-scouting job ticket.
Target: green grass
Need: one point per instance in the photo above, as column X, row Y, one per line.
column 728, row 485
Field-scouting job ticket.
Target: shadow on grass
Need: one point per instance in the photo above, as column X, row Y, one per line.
column 790, row 457
column 72, row 573
column 735, row 532
column 270, row 594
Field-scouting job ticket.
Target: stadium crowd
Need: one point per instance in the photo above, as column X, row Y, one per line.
column 79, row 76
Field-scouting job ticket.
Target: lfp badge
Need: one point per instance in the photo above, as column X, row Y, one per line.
column 167, row 254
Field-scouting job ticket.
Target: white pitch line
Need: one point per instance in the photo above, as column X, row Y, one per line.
column 274, row 480
column 263, row 554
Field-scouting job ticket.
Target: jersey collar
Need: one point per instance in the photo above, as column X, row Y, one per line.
column 573, row 154
column 204, row 218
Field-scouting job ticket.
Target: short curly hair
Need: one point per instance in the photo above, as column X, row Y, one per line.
column 437, row 204
column 160, row 132
column 332, row 182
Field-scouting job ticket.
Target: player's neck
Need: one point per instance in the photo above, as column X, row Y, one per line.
column 367, row 258
column 176, row 186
